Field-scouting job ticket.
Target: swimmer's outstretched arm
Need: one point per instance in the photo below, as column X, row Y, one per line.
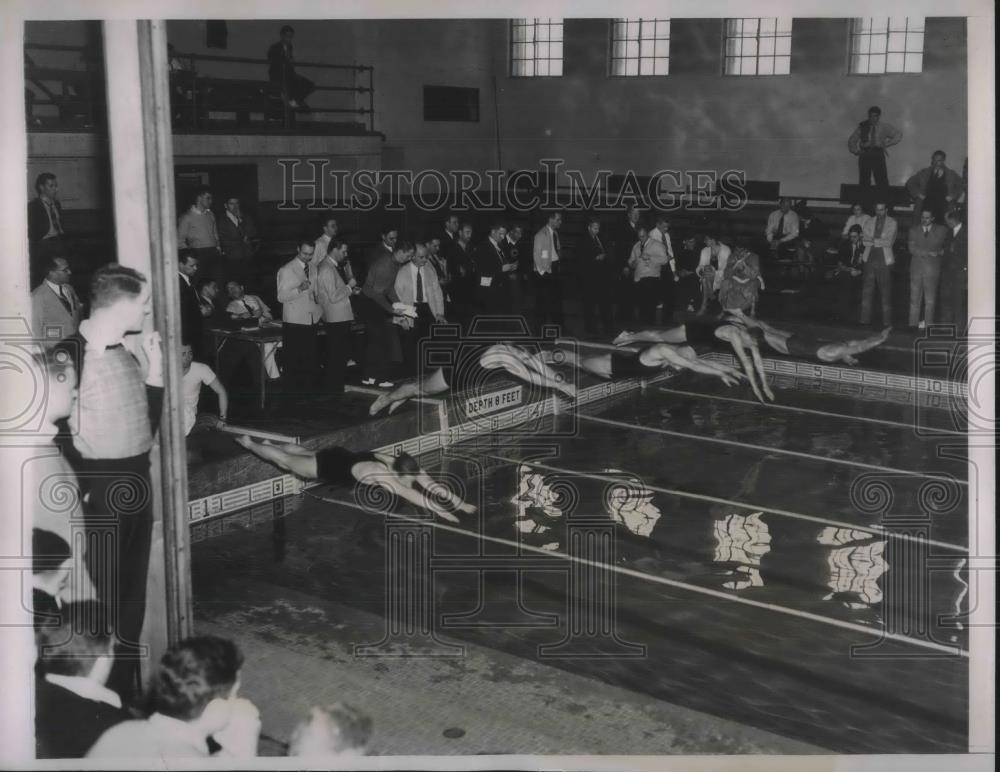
column 433, row 384
column 292, row 458
column 672, row 335
column 522, row 365
column 685, row 359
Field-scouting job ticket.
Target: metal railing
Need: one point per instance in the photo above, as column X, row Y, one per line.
column 73, row 97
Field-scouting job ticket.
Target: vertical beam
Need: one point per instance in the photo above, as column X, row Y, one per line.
column 142, row 174
column 17, row 400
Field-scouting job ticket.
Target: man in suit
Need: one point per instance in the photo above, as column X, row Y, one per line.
column 493, row 268
column 869, row 142
column 782, row 230
column 597, row 277
column 239, row 242
column 377, row 297
column 935, row 188
column 197, row 231
column 625, row 237
column 417, row 285
column 46, row 237
column 850, row 268
column 955, row 272
column 300, row 313
column 926, row 242
column 192, row 321
column 517, row 253
column 54, row 305
column 878, row 235
column 386, row 247
column 668, row 276
column 547, row 252
column 73, row 707
column 463, row 286
column 334, row 293
column 281, row 71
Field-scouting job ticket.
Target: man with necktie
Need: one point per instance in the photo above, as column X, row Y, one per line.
column 597, row 276
column 955, row 272
column 878, row 235
column 300, row 314
column 547, row 253
column 492, row 268
column 334, row 289
column 935, row 188
column 783, row 230
column 46, row 237
column 54, row 305
column 192, row 321
column 625, row 237
column 239, row 242
column 417, row 285
column 926, row 242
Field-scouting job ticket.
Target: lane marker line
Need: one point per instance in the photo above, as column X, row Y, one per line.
column 864, row 629
column 875, row 530
column 768, row 449
column 811, row 411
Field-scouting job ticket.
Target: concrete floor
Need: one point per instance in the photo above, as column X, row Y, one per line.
column 485, row 702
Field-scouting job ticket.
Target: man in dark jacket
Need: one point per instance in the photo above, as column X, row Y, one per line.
column 625, row 237
column 239, row 242
column 73, row 707
column 281, row 71
column 597, row 278
column 46, row 238
column 955, row 272
column 492, row 269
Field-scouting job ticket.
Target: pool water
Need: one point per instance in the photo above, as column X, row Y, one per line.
column 797, row 567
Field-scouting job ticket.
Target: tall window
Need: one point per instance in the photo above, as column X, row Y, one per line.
column 758, row 46
column 536, row 47
column 887, row 44
column 640, row 47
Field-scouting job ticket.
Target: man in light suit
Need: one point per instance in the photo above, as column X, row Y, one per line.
column 926, row 242
column 300, row 313
column 334, row 290
column 55, row 307
column 547, row 252
column 878, row 235
column 417, row 285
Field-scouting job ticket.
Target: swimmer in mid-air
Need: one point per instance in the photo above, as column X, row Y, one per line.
column 400, row 475
column 530, row 367
column 650, row 361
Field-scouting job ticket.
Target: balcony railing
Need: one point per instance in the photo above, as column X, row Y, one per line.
column 208, row 93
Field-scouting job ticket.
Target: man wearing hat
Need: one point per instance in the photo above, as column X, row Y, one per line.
column 869, row 142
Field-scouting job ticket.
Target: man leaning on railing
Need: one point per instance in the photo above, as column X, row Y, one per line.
column 281, row 71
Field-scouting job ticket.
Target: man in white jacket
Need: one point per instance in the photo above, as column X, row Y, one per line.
column 417, row 285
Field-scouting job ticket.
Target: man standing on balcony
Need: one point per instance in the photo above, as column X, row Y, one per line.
column 197, row 232
column 46, row 238
column 281, row 71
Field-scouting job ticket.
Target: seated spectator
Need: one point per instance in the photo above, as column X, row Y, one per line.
column 281, row 71
column 73, row 707
column 741, row 282
column 51, row 566
column 243, row 306
column 812, row 237
column 858, row 217
column 192, row 698
column 711, row 268
column 783, row 230
column 55, row 308
column 850, row 256
column 195, row 375
column 208, row 299
column 337, row 730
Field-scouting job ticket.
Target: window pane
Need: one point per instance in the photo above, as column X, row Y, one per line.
column 880, row 24
column 860, row 25
column 648, row 31
column 767, row 46
column 632, row 30
column 784, row 25
column 876, row 63
column 783, row 46
column 542, row 32
column 557, row 68
column 897, row 41
column 646, row 67
column 556, row 50
column 783, row 65
column 894, row 63
column 767, row 26
column 858, row 65
column 662, row 48
column 541, row 50
column 765, row 67
column 748, row 66
column 897, row 22
column 915, row 42
column 632, row 49
column 878, row 44
column 732, row 27
column 750, row 27
column 749, row 47
column 731, row 66
column 663, row 29
column 617, row 67
column 915, row 23
column 556, row 33
column 617, row 29
column 618, row 50
column 661, row 67
column 733, row 47
column 631, row 67
column 914, row 63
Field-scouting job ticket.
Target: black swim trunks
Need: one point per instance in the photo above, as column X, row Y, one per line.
column 333, row 465
column 624, row 365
